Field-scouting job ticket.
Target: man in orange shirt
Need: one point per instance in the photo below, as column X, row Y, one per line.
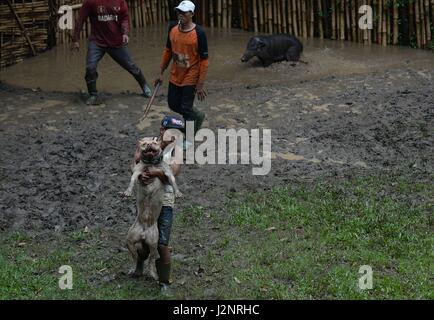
column 187, row 46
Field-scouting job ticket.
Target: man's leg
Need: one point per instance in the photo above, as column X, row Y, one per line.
column 122, row 57
column 174, row 95
column 163, row 264
column 94, row 55
column 189, row 112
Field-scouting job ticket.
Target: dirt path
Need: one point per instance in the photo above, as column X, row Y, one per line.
column 63, row 163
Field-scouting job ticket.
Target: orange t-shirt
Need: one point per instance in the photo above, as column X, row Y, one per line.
column 189, row 51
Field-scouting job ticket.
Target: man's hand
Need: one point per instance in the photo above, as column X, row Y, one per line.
column 158, row 79
column 75, row 46
column 125, row 39
column 149, row 174
column 200, row 91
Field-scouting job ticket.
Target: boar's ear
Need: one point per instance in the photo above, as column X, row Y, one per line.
column 261, row 43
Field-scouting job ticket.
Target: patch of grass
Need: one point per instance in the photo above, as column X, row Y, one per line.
column 298, row 242
column 309, row 242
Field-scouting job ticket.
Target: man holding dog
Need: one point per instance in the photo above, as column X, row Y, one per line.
column 165, row 219
column 109, row 34
column 187, row 46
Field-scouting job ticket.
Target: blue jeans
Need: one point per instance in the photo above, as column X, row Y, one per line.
column 120, row 55
column 165, row 225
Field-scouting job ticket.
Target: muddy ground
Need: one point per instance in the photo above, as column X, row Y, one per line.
column 63, row 163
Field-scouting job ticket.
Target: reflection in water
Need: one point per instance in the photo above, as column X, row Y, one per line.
column 62, row 70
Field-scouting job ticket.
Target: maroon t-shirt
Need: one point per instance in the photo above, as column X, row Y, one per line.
column 108, row 20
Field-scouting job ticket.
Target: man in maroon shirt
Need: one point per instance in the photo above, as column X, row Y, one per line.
column 109, row 33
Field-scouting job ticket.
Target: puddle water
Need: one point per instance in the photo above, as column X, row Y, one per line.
column 61, row 70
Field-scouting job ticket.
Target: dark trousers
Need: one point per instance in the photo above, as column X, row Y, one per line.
column 120, row 55
column 165, row 225
column 181, row 99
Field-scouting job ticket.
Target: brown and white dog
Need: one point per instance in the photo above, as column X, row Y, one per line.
column 142, row 237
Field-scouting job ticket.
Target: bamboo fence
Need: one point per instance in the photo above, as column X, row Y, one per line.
column 395, row 22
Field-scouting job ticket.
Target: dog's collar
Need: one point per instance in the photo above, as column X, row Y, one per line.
column 155, row 160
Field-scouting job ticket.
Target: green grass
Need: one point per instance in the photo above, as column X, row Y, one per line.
column 298, row 242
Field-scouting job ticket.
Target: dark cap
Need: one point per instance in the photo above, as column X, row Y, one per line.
column 172, row 122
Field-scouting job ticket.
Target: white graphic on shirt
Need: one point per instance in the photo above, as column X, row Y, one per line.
column 182, row 60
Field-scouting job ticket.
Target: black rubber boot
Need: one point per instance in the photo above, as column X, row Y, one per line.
column 91, row 88
column 200, row 116
column 163, row 269
column 140, row 78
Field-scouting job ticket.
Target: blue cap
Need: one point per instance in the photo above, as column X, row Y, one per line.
column 172, row 122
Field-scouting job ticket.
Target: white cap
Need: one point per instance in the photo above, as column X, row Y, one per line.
column 186, row 6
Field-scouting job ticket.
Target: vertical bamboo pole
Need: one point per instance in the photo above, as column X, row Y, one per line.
column 230, row 13
column 261, row 15
column 245, row 12
column 136, row 14
column 333, row 11
column 411, row 22
column 284, row 17
column 154, row 10
column 422, row 23
column 168, row 10
column 270, row 16
column 380, row 20
column 255, row 16
column 277, row 16
column 354, row 22
column 417, row 19
column 211, row 14
column 342, row 20
column 384, row 24
column 289, row 15
column 389, row 22
column 428, row 22
column 294, row 17
column 320, row 19
column 224, row 14
column 304, row 18
column 395, row 22
column 219, row 13
column 347, row 21
column 311, row 19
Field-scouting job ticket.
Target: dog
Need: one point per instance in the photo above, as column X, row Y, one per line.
column 142, row 237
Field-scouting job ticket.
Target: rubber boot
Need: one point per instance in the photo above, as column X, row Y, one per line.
column 200, row 116
column 93, row 93
column 140, row 78
column 163, row 269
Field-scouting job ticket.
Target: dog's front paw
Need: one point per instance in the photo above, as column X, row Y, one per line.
column 178, row 194
column 127, row 193
column 135, row 274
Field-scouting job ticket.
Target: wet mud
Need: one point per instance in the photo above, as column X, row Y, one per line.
column 350, row 111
